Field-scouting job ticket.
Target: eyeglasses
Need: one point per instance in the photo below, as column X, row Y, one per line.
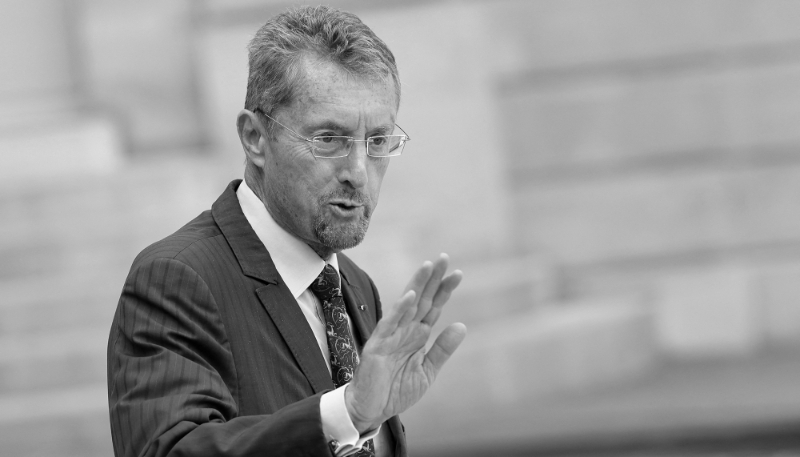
column 333, row 146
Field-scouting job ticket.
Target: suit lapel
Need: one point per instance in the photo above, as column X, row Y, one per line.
column 357, row 309
column 283, row 309
column 275, row 297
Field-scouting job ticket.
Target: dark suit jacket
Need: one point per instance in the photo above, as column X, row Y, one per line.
column 209, row 353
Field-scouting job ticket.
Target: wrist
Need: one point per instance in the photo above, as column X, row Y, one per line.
column 362, row 424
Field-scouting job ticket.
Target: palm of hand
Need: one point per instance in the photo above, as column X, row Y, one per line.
column 395, row 371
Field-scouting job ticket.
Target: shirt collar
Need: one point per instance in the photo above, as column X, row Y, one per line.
column 295, row 261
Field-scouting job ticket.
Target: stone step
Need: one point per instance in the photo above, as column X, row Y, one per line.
column 95, row 248
column 168, row 168
column 49, row 360
column 76, row 299
column 733, row 305
column 73, row 145
column 680, row 400
column 493, row 285
column 101, row 223
column 172, row 189
column 50, row 261
column 60, row 422
column 542, row 354
column 545, row 35
column 615, row 123
column 501, row 287
column 660, row 214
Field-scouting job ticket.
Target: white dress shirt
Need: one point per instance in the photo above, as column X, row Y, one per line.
column 299, row 266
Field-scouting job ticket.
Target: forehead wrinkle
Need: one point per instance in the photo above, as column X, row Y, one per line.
column 305, row 87
column 342, row 119
column 318, row 91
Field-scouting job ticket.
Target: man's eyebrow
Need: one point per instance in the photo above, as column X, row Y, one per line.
column 385, row 129
column 328, row 125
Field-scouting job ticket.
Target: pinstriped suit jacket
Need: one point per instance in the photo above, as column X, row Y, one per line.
column 209, row 353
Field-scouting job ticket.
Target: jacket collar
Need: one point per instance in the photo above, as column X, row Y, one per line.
column 250, row 252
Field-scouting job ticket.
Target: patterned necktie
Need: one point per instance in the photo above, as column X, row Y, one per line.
column 344, row 357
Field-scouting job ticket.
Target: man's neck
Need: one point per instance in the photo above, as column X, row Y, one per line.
column 323, row 252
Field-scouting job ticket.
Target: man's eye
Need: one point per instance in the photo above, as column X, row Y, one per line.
column 326, row 139
column 378, row 140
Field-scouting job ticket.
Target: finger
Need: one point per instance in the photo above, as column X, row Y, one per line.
column 391, row 320
column 409, row 308
column 417, row 285
column 447, row 287
column 445, row 345
column 435, row 279
column 420, row 278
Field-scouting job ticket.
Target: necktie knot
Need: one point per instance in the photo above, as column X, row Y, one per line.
column 326, row 286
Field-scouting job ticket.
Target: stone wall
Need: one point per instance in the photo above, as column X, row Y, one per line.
column 617, row 179
column 654, row 147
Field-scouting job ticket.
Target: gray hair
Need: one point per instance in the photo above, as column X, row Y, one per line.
column 276, row 51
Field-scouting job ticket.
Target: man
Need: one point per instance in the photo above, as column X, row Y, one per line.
column 247, row 333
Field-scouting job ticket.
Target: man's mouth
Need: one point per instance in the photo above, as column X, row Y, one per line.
column 345, row 207
column 348, row 205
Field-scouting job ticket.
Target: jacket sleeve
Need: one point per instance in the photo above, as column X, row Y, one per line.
column 172, row 379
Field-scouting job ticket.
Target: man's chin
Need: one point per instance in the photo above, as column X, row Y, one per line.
column 339, row 237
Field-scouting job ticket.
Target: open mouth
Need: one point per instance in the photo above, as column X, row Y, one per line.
column 345, row 207
column 345, row 204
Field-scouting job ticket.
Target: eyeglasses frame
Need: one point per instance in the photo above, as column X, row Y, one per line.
column 351, row 140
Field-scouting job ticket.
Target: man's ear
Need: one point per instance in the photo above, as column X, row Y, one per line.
column 253, row 137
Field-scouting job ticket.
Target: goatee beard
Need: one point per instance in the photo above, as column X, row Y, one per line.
column 341, row 236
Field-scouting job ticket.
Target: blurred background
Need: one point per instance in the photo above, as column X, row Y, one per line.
column 619, row 180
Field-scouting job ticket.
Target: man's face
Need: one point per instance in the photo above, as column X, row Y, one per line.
column 328, row 202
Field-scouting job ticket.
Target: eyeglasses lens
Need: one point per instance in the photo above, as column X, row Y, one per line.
column 339, row 146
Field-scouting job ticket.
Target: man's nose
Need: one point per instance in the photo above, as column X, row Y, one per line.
column 354, row 170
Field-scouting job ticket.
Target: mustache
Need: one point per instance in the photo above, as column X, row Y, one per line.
column 353, row 195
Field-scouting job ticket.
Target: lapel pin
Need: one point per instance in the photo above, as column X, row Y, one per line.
column 362, row 307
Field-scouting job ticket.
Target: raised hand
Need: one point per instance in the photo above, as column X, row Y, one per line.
column 395, row 371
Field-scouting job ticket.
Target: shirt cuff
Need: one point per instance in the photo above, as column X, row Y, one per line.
column 337, row 425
